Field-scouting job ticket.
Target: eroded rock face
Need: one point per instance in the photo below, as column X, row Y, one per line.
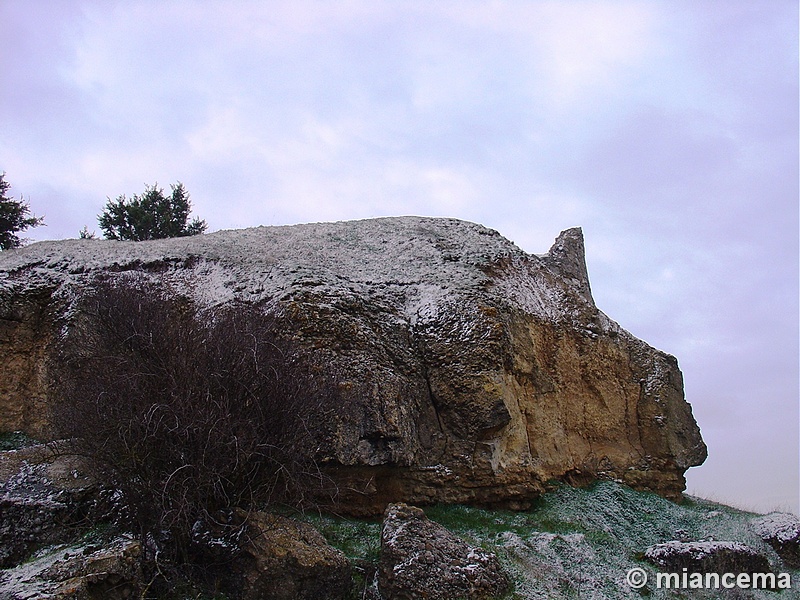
column 26, row 327
column 469, row 371
column 421, row 559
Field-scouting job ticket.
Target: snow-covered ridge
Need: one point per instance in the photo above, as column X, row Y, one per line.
column 427, row 258
column 385, row 249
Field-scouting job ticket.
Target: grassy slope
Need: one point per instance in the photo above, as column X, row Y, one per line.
column 579, row 543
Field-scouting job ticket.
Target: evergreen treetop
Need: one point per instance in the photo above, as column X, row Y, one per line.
column 14, row 217
column 150, row 216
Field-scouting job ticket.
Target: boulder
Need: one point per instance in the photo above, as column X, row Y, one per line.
column 782, row 532
column 422, row 559
column 45, row 498
column 284, row 559
column 468, row 371
column 77, row 572
column 707, row 557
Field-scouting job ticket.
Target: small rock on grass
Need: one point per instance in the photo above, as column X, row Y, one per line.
column 782, row 532
column 422, row 559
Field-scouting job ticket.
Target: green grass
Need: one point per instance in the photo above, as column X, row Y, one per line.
column 14, row 440
column 576, row 543
column 359, row 540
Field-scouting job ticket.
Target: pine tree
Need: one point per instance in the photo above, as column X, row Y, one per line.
column 14, row 217
column 150, row 216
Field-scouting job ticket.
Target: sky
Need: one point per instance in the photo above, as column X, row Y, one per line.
column 667, row 130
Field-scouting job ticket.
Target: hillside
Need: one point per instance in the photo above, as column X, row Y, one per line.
column 580, row 543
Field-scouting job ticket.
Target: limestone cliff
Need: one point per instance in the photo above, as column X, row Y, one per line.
column 470, row 371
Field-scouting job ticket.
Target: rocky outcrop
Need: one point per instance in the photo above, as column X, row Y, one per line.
column 422, row 559
column 26, row 327
column 51, row 511
column 468, row 370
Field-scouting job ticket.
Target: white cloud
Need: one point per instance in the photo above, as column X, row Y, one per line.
column 571, row 50
column 586, row 46
column 224, row 136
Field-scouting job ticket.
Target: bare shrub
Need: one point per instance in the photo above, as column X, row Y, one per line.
column 189, row 413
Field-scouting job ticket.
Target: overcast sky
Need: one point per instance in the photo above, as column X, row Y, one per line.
column 667, row 130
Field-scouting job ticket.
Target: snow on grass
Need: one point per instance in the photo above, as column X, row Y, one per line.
column 359, row 540
column 580, row 543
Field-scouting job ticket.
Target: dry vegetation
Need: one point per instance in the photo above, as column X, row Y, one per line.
column 189, row 414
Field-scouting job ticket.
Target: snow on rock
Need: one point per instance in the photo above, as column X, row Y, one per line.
column 43, row 495
column 707, row 557
column 469, row 370
column 111, row 571
column 783, row 527
column 782, row 532
column 422, row 559
column 439, row 256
